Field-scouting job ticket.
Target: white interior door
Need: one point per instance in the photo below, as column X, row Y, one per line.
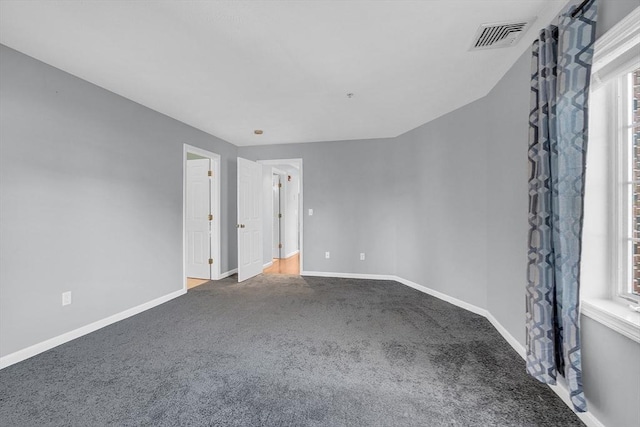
column 249, row 219
column 197, row 223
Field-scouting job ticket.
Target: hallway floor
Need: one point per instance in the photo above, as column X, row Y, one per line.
column 289, row 265
column 193, row 282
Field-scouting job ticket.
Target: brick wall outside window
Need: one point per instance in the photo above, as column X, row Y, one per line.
column 636, row 180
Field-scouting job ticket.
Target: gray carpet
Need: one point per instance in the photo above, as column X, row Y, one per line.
column 285, row 351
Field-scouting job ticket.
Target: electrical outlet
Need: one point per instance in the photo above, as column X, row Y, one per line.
column 66, row 298
column 327, row 255
column 361, row 256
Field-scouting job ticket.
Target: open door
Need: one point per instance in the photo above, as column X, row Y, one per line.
column 249, row 219
column 197, row 224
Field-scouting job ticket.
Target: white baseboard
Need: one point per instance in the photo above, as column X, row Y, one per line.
column 35, row 349
column 228, row 273
column 562, row 391
column 519, row 348
column 290, row 254
column 267, row 265
column 462, row 304
column 348, row 275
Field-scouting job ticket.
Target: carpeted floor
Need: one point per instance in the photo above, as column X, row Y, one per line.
column 285, row 351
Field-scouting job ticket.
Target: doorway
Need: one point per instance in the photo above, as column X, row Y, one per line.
column 282, row 182
column 201, row 216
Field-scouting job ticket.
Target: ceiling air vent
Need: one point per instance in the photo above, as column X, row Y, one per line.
column 503, row 34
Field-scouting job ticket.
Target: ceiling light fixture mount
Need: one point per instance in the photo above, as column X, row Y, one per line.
column 350, row 95
column 258, row 132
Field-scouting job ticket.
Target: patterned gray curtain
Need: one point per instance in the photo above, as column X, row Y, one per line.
column 560, row 74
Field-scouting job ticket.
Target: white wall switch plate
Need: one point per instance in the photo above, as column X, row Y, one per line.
column 361, row 256
column 66, row 298
column 327, row 255
column 310, row 212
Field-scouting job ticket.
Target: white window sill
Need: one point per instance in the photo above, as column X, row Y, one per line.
column 616, row 316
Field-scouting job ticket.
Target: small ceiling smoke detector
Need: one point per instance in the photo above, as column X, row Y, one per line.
column 258, row 132
column 349, row 95
column 500, row 34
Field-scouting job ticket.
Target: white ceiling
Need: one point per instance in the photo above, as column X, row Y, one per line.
column 229, row 67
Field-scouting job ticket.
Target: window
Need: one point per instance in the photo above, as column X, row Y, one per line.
column 635, row 174
column 627, row 169
column 615, row 125
column 610, row 270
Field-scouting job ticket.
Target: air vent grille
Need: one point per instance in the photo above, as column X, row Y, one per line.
column 496, row 35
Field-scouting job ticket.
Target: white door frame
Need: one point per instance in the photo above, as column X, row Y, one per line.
column 297, row 162
column 215, row 205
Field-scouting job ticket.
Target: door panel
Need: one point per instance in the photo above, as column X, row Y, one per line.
column 249, row 219
column 197, row 219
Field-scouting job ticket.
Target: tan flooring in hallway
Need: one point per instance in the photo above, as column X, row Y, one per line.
column 192, row 282
column 289, row 265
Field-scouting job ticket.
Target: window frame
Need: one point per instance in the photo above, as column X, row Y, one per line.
column 604, row 296
column 619, row 112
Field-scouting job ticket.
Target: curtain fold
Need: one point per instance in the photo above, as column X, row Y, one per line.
column 558, row 135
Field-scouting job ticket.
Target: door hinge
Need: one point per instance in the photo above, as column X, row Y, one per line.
column 210, row 260
column 279, row 185
column 279, row 215
column 210, row 173
column 279, row 245
column 210, row 217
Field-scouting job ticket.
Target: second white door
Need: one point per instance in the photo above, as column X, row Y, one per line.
column 249, row 219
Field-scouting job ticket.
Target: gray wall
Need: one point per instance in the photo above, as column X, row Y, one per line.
column 350, row 186
column 441, row 206
column 611, row 374
column 507, row 200
column 90, row 201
